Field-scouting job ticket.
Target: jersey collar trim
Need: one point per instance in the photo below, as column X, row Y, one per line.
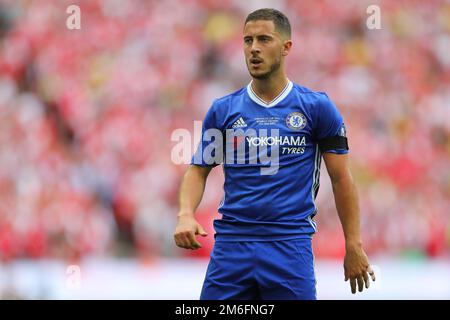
column 283, row 94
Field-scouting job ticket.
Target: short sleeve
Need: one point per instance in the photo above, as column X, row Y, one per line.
column 210, row 148
column 330, row 123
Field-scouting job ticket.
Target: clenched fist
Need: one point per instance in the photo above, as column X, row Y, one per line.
column 186, row 230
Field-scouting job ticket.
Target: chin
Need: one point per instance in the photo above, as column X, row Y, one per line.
column 258, row 75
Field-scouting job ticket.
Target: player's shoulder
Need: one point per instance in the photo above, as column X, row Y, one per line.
column 227, row 98
column 222, row 105
column 315, row 101
column 308, row 93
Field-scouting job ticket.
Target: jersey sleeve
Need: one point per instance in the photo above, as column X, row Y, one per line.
column 330, row 128
column 209, row 151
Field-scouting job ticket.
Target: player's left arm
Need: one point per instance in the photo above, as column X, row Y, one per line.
column 356, row 263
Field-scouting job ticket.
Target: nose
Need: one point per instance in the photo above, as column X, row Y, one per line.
column 255, row 48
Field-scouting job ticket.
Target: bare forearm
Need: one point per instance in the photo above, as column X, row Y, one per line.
column 191, row 191
column 356, row 264
column 346, row 199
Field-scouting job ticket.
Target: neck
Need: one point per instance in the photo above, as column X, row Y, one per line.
column 268, row 89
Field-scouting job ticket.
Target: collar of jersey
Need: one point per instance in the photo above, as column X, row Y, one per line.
column 283, row 94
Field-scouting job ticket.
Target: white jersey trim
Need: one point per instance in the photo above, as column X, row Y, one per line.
column 283, row 94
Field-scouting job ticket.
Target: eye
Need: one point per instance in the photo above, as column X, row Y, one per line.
column 248, row 40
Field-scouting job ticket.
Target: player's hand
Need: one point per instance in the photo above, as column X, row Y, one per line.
column 357, row 268
column 186, row 230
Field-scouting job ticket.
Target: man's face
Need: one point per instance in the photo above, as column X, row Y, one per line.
column 263, row 48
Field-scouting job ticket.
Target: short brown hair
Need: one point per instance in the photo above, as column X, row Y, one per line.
column 280, row 21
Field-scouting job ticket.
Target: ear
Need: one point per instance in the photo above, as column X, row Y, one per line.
column 286, row 47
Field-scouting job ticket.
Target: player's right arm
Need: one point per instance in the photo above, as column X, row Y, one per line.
column 191, row 193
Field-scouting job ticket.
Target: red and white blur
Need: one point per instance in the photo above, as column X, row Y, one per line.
column 88, row 187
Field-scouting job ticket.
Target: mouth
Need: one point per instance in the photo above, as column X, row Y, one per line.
column 255, row 62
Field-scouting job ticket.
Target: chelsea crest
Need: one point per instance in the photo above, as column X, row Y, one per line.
column 296, row 121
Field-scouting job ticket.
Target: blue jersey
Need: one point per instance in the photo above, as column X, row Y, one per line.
column 271, row 160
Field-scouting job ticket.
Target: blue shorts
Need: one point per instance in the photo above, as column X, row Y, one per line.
column 253, row 270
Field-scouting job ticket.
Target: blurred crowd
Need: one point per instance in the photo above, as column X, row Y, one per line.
column 86, row 118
